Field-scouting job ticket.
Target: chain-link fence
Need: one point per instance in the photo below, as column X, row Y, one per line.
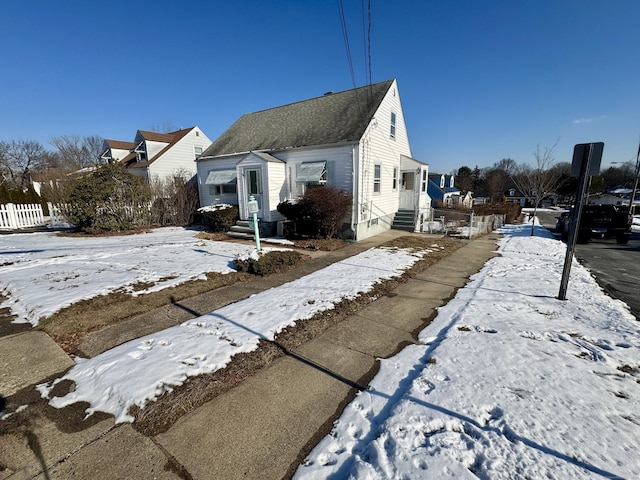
column 460, row 223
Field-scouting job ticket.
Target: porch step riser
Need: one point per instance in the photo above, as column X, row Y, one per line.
column 404, row 220
column 240, row 235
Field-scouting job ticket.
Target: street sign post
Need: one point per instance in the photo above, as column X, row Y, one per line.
column 586, row 163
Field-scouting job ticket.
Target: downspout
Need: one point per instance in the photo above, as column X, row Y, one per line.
column 354, row 187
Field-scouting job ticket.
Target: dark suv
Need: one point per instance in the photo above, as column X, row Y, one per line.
column 599, row 220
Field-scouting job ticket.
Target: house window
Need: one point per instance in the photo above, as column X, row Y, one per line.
column 253, row 182
column 223, row 189
column 222, row 182
column 310, row 175
column 197, row 150
column 424, row 180
column 393, row 125
column 377, row 174
column 141, row 153
column 395, row 178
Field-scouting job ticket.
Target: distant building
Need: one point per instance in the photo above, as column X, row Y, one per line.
column 154, row 155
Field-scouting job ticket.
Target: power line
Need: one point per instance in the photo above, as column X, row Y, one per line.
column 345, row 36
column 369, row 40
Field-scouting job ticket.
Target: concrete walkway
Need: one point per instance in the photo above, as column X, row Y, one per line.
column 264, row 427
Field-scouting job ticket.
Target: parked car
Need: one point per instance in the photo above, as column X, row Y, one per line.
column 598, row 221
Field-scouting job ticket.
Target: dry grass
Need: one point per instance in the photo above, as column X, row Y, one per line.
column 69, row 326
column 160, row 415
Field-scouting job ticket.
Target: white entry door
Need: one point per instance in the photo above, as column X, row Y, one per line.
column 408, row 191
column 253, row 179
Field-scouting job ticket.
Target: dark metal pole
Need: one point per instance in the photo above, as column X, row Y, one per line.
column 575, row 220
column 635, row 185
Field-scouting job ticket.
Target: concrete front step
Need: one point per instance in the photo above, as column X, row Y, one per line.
column 404, row 220
column 241, row 235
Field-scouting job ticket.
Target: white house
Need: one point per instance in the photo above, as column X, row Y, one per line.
column 154, row 155
column 354, row 140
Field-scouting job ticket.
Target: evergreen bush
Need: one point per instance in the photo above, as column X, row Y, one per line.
column 271, row 262
column 109, row 199
column 219, row 218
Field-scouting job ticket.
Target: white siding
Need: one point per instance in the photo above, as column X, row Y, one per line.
column 181, row 157
column 339, row 165
column 275, row 184
column 378, row 147
column 203, row 169
column 153, row 148
column 118, row 154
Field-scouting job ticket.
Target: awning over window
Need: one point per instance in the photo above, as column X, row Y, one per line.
column 311, row 172
column 220, row 177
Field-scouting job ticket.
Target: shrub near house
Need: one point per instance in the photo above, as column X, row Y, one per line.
column 319, row 213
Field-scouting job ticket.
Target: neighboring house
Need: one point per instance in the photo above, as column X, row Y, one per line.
column 513, row 195
column 115, row 150
column 609, row 199
column 465, row 199
column 442, row 190
column 154, row 155
column 354, row 140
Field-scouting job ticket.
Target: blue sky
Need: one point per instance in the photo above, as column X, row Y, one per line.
column 479, row 80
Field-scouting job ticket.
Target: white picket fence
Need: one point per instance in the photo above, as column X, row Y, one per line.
column 30, row 215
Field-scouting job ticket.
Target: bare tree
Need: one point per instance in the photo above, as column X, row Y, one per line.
column 497, row 177
column 537, row 181
column 78, row 152
column 165, row 126
column 19, row 159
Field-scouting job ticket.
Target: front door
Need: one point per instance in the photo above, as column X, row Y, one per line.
column 408, row 191
column 253, row 179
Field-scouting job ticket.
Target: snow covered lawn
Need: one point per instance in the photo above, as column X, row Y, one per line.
column 141, row 370
column 510, row 383
column 41, row 273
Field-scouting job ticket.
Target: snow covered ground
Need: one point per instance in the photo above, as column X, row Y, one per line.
column 509, row 383
column 42, row 273
column 140, row 370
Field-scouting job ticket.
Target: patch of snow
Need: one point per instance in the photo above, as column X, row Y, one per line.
column 509, row 382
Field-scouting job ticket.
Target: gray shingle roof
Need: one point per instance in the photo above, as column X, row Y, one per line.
column 332, row 118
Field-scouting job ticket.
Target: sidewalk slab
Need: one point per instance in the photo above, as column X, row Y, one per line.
column 256, row 430
column 27, row 358
column 38, row 444
column 121, row 453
